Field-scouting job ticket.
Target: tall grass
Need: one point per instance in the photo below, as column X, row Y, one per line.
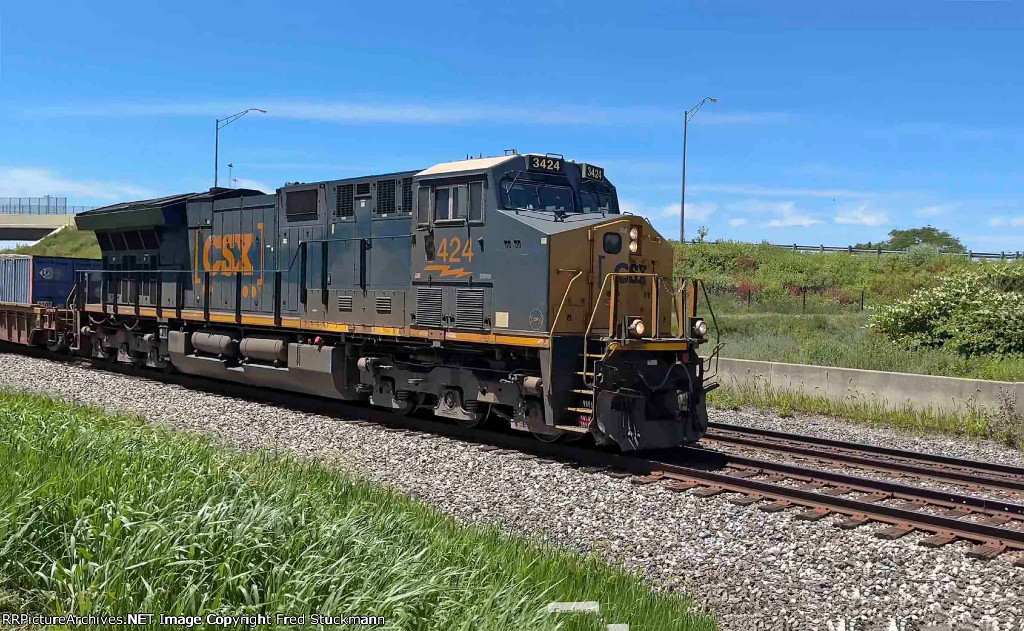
column 102, row 514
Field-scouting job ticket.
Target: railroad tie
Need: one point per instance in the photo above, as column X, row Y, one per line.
column 855, row 521
column 938, row 540
column 814, row 514
column 776, row 506
column 895, row 531
column 986, row 551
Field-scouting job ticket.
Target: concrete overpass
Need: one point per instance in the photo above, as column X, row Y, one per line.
column 29, row 227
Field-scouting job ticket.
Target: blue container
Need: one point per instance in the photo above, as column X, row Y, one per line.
column 40, row 280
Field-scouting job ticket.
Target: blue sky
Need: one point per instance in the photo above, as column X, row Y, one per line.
column 835, row 122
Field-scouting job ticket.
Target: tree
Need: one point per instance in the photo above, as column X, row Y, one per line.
column 928, row 235
column 702, row 234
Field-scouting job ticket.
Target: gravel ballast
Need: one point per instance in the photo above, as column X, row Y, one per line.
column 755, row 570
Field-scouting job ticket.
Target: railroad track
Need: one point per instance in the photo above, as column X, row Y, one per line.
column 994, row 526
column 972, row 474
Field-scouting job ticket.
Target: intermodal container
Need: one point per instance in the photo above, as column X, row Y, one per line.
column 40, row 280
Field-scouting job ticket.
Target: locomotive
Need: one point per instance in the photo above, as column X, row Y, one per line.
column 505, row 289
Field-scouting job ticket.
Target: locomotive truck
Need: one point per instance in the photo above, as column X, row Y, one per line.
column 509, row 289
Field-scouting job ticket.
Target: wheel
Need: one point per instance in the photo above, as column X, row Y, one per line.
column 480, row 416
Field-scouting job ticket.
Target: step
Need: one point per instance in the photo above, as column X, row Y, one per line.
column 595, row 355
column 576, row 429
column 580, row 410
column 582, row 391
column 585, row 374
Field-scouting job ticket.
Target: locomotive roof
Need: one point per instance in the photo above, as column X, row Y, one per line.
column 461, row 166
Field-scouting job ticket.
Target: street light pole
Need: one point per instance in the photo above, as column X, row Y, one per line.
column 690, row 113
column 220, row 124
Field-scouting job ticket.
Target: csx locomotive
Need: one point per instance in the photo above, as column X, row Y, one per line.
column 508, row 288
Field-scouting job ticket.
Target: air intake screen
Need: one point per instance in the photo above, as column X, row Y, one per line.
column 301, row 204
column 345, row 303
column 469, row 308
column 363, row 188
column 386, row 197
column 406, row 206
column 344, row 206
column 428, row 306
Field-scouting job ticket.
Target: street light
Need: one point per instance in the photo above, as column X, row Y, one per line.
column 690, row 113
column 221, row 123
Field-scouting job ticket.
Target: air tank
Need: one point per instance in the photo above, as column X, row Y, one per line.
column 265, row 349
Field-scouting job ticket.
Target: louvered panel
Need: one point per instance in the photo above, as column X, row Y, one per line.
column 386, row 197
column 383, row 304
column 406, row 206
column 362, row 188
column 469, row 308
column 344, row 206
column 344, row 303
column 428, row 306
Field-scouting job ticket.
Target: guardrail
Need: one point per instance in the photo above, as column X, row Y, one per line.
column 822, row 249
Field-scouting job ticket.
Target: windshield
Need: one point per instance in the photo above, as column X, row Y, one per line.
column 538, row 196
column 594, row 202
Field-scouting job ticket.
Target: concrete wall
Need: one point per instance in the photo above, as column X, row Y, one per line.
column 893, row 389
column 31, row 227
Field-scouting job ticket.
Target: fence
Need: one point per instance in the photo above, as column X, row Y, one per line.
column 822, row 249
column 47, row 205
column 794, row 299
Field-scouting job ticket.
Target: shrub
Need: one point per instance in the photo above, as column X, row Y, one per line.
column 974, row 312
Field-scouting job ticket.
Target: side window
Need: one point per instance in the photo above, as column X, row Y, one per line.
column 442, row 203
column 423, row 205
column 476, row 201
column 460, row 200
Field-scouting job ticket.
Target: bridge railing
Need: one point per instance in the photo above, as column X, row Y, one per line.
column 39, row 206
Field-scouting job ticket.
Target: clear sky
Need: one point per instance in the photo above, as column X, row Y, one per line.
column 835, row 122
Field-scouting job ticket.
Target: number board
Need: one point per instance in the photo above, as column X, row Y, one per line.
column 544, row 163
column 591, row 172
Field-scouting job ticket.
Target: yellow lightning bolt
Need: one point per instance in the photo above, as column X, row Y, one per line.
column 446, row 270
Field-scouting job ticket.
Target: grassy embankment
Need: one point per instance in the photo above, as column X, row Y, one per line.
column 103, row 514
column 67, row 242
column 833, row 331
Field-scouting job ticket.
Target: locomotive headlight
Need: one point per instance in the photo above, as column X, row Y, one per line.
column 634, row 246
column 637, row 328
column 700, row 327
column 634, row 233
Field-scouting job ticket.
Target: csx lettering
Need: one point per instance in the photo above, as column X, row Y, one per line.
column 637, row 268
column 228, row 253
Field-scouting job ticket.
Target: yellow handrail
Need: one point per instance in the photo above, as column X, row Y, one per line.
column 565, row 297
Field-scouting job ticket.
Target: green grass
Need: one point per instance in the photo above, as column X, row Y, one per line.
column 1002, row 425
column 102, row 514
column 846, row 340
column 67, row 242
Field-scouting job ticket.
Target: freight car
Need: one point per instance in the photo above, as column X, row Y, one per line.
column 507, row 288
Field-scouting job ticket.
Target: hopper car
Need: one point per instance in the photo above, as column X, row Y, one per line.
column 506, row 289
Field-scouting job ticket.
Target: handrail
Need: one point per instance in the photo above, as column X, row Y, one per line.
column 565, row 297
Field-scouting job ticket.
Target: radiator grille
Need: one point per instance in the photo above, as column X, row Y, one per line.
column 344, row 207
column 469, row 308
column 363, row 188
column 386, row 197
column 406, row 206
column 383, row 304
column 428, row 306
column 345, row 303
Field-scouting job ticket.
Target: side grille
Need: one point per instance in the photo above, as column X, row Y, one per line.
column 344, row 207
column 386, row 197
column 344, row 303
column 469, row 308
column 406, row 206
column 363, row 188
column 428, row 306
column 383, row 304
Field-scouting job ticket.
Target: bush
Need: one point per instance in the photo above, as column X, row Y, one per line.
column 974, row 312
